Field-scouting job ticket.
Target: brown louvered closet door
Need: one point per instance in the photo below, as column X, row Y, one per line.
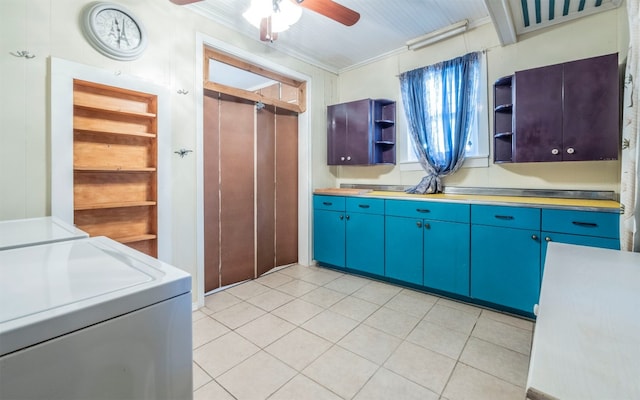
column 250, row 189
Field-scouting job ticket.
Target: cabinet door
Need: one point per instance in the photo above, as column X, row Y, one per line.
column 446, row 256
column 329, row 237
column 358, row 150
column 591, row 109
column 336, row 133
column 538, row 114
column 403, row 249
column 591, row 241
column 365, row 243
column 505, row 266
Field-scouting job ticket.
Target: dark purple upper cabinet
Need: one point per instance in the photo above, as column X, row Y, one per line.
column 591, row 109
column 361, row 132
column 567, row 112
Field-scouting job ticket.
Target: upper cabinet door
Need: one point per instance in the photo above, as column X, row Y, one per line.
column 538, row 110
column 591, row 102
column 359, row 130
column 336, row 133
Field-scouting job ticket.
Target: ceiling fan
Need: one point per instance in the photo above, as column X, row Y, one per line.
column 327, row 8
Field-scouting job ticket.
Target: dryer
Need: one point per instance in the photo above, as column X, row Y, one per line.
column 93, row 319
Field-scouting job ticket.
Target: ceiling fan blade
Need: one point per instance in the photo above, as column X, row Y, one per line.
column 184, row 2
column 331, row 9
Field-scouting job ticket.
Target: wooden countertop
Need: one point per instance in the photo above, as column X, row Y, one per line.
column 586, row 341
column 561, row 203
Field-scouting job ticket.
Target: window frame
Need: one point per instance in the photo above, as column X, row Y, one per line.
column 407, row 159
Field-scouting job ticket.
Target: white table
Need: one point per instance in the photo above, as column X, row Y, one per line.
column 586, row 343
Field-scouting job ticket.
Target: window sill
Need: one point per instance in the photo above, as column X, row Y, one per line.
column 469, row 162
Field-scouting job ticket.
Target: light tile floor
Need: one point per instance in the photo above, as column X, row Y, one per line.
column 314, row 333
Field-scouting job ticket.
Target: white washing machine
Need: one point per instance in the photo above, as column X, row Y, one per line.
column 28, row 232
column 93, row 319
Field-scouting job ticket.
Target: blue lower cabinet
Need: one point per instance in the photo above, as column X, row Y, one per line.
column 403, row 249
column 365, row 243
column 446, row 256
column 591, row 241
column 505, row 266
column 329, row 237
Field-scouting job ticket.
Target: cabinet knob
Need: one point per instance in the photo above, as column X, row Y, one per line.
column 555, row 151
column 419, row 224
column 347, row 217
column 427, row 226
column 570, row 150
column 341, row 158
column 534, row 237
column 348, row 158
column 341, row 217
column 547, row 239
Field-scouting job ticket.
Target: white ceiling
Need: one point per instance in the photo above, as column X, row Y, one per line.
column 386, row 25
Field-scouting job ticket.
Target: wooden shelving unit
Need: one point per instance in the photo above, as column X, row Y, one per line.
column 115, row 164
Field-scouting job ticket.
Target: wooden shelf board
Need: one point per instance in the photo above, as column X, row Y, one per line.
column 114, row 110
column 136, row 238
column 99, row 132
column 113, row 169
column 124, row 204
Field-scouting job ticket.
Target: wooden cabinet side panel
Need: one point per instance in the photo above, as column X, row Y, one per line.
column 286, row 189
column 591, row 109
column 538, row 114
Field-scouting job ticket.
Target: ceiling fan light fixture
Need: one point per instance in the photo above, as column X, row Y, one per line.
column 283, row 14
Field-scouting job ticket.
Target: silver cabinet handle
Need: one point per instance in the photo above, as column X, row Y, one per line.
column 555, row 151
column 427, row 226
column 419, row 224
column 347, row 217
column 341, row 217
column 348, row 158
column 341, row 158
column 548, row 239
column 570, row 150
column 534, row 237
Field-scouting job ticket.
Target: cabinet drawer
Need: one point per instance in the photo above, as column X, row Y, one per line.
column 586, row 223
column 453, row 212
column 511, row 217
column 365, row 205
column 335, row 203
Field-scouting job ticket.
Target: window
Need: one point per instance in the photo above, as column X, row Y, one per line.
column 477, row 148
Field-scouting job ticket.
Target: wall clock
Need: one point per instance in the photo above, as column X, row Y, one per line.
column 114, row 31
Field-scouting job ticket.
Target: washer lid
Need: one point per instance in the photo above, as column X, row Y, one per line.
column 56, row 288
column 33, row 231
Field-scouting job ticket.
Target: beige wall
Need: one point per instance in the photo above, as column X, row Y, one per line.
column 586, row 37
column 52, row 28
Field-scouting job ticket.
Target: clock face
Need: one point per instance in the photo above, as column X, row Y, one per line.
column 117, row 29
column 113, row 31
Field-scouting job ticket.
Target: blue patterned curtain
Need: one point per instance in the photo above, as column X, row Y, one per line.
column 440, row 105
